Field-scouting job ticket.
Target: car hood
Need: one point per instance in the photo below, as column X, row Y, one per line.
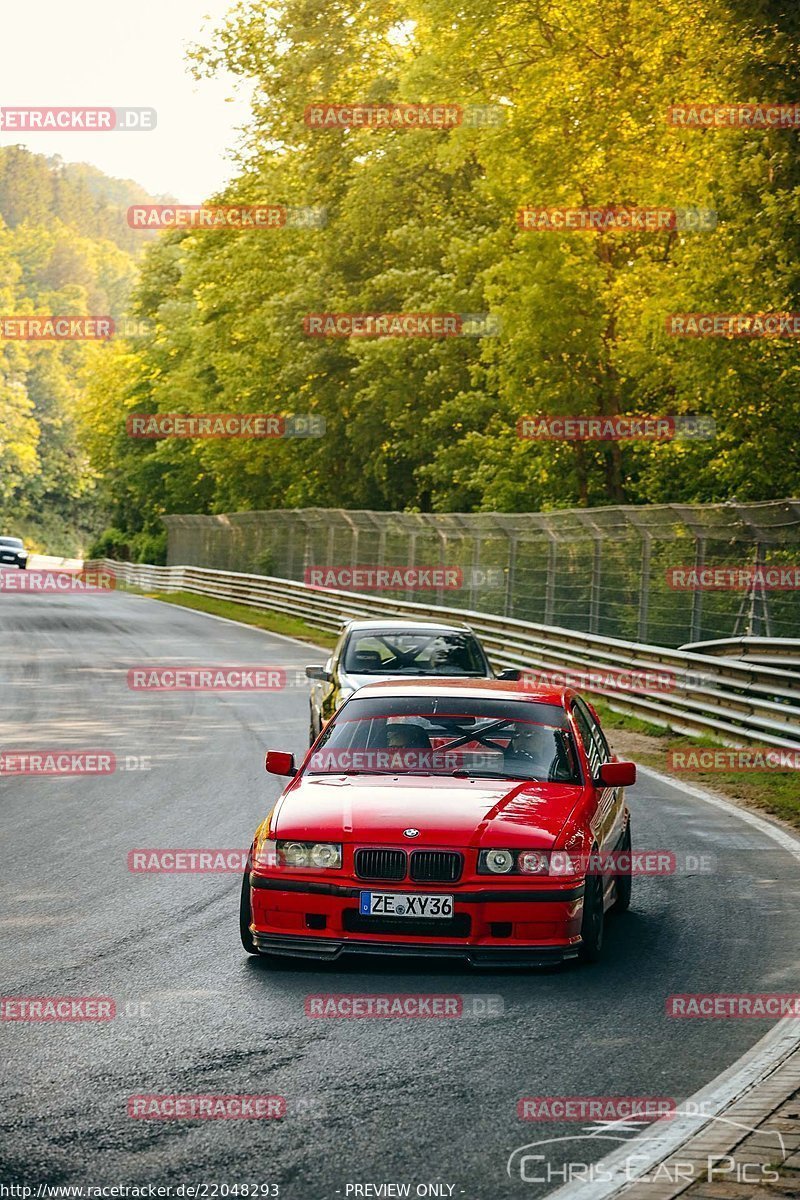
column 453, row 812
column 348, row 680
column 357, row 681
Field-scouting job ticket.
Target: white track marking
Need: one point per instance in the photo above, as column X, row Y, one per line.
column 784, row 837
column 239, row 624
column 665, row 1137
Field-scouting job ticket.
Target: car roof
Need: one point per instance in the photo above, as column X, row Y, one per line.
column 357, row 624
column 500, row 689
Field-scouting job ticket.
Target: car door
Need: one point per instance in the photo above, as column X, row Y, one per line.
column 322, row 698
column 608, row 821
column 330, row 693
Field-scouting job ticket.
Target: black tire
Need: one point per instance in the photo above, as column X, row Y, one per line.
column 624, row 881
column 312, row 733
column 593, row 922
column 245, row 915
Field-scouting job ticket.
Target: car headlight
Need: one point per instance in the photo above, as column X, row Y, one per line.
column 533, row 862
column 319, row 855
column 496, row 862
column 516, row 862
column 326, row 854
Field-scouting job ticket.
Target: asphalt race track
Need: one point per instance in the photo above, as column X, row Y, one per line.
column 368, row 1101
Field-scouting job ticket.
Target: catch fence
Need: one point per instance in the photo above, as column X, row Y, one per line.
column 607, row 571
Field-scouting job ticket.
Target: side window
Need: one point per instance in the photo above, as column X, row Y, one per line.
column 594, row 742
column 337, row 654
column 600, row 736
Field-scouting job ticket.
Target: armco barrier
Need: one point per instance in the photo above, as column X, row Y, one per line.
column 736, row 702
column 776, row 652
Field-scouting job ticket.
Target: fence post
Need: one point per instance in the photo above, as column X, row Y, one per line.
column 594, row 591
column 285, row 569
column 476, row 559
column 512, row 565
column 697, row 595
column 442, row 536
column 644, row 594
column 307, row 545
column 759, row 597
column 412, row 559
column 331, row 537
column 550, row 589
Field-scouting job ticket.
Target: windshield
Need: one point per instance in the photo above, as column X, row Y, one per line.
column 404, row 652
column 15, row 542
column 448, row 735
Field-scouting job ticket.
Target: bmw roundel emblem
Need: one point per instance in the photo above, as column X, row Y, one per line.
column 410, row 833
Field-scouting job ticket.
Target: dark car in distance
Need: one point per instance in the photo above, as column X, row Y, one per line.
column 13, row 552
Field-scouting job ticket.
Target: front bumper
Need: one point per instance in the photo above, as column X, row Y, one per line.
column 328, row 950
column 522, row 926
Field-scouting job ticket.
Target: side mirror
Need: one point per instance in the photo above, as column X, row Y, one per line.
column 318, row 673
column 617, row 774
column 278, row 762
column 510, row 673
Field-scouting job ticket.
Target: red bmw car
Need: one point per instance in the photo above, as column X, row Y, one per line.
column 440, row 817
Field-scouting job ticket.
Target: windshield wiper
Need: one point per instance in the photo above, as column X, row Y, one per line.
column 460, row 773
column 361, row 771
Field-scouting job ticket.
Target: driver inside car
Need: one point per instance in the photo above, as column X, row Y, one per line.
column 407, row 737
column 532, row 744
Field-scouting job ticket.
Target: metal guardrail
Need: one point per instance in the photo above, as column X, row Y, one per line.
column 778, row 652
column 736, row 702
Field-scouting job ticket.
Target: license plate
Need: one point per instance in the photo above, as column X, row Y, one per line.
column 405, row 904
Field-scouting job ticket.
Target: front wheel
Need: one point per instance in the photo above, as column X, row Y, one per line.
column 624, row 881
column 593, row 921
column 312, row 732
column 246, row 916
